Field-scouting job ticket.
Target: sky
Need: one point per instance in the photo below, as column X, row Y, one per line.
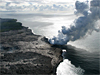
column 36, row 6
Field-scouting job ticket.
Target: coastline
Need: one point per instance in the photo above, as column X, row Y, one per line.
column 23, row 52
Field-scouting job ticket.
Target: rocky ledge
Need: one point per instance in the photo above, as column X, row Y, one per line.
column 23, row 52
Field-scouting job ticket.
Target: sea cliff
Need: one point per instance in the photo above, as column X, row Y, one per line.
column 23, row 52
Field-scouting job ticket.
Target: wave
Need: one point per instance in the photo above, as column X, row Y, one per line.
column 78, row 61
column 66, row 67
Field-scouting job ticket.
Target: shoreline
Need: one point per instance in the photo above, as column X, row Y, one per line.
column 23, row 52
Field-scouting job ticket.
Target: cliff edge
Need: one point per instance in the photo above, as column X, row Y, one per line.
column 23, row 52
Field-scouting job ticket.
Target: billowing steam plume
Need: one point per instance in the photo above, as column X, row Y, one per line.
column 82, row 26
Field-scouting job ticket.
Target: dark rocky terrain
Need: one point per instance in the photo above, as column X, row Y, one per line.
column 22, row 52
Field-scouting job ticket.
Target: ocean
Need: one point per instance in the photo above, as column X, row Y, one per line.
column 81, row 57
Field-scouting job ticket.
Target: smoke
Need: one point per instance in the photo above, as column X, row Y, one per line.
column 81, row 26
column 81, row 8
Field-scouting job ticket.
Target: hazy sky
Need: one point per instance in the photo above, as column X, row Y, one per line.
column 34, row 6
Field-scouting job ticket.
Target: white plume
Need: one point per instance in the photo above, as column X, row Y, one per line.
column 85, row 24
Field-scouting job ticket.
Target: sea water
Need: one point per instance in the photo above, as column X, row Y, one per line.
column 81, row 56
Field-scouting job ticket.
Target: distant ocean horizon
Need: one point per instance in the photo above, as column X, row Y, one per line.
column 82, row 59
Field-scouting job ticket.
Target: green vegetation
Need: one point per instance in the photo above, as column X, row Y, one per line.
column 10, row 24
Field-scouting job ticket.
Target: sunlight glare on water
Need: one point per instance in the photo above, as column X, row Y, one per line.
column 58, row 22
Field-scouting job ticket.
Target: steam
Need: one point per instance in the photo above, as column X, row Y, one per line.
column 82, row 26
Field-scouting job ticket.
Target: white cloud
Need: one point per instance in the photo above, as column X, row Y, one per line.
column 37, row 0
column 36, row 5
